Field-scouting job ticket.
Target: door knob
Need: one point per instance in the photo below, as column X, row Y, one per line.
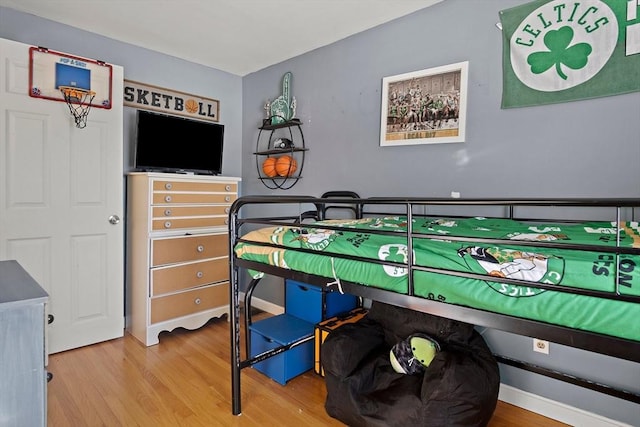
column 114, row 219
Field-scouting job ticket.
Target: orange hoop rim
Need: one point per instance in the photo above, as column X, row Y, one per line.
column 75, row 92
column 79, row 102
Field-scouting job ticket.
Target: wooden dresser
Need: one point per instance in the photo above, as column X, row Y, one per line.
column 177, row 251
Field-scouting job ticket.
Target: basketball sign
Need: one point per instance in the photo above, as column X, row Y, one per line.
column 144, row 96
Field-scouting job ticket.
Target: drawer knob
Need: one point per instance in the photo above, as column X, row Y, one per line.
column 227, row 209
column 199, row 274
column 226, row 221
column 200, row 248
column 227, row 187
column 167, row 224
column 167, row 199
column 167, row 212
column 227, row 198
column 168, row 186
column 197, row 301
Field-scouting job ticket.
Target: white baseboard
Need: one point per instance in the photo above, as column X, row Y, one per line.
column 554, row 410
column 264, row 305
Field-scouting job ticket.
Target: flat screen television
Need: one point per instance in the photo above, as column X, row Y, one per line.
column 174, row 144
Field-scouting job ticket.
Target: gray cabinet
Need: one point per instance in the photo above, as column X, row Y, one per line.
column 23, row 377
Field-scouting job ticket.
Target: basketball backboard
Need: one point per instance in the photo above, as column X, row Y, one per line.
column 49, row 71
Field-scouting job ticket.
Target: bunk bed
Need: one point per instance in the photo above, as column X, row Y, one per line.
column 566, row 271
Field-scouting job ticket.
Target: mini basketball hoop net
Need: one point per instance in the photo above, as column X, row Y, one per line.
column 79, row 102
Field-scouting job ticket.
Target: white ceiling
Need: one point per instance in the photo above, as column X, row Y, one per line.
column 237, row 36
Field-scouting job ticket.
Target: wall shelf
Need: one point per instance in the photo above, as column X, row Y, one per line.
column 291, row 133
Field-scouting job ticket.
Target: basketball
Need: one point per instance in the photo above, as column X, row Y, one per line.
column 286, row 165
column 191, row 106
column 269, row 167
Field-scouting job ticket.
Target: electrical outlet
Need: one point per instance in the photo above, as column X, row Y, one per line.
column 540, row 346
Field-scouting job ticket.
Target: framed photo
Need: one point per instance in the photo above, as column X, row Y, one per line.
column 425, row 107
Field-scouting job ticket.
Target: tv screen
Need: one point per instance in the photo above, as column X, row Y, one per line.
column 175, row 144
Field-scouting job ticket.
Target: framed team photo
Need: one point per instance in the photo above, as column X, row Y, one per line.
column 425, row 107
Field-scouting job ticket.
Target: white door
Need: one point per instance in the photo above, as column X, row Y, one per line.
column 59, row 186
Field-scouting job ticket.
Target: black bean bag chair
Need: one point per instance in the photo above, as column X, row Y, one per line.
column 459, row 387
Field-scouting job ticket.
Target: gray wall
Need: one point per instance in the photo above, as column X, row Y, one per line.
column 580, row 149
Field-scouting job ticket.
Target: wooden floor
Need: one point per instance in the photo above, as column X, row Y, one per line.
column 186, row 381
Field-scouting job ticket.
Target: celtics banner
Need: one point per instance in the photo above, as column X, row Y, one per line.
column 558, row 51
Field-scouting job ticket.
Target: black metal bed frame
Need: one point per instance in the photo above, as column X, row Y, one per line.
column 598, row 343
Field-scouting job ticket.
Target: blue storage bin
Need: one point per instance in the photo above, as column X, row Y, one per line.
column 311, row 303
column 280, row 330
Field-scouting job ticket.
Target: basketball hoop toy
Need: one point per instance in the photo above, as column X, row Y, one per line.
column 79, row 103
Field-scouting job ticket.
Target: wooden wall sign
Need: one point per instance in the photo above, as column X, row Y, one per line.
column 154, row 98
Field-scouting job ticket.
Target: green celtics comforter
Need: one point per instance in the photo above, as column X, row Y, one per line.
column 586, row 269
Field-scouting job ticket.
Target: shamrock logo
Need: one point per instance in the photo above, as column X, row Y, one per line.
column 557, row 41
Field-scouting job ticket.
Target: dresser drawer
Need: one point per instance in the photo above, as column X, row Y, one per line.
column 198, row 198
column 198, row 222
column 184, row 276
column 181, row 211
column 193, row 301
column 188, row 248
column 210, row 187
